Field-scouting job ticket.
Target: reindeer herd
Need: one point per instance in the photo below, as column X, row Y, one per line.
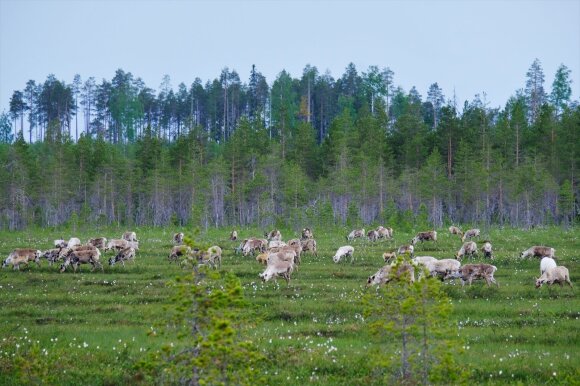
column 281, row 258
column 452, row 268
column 74, row 253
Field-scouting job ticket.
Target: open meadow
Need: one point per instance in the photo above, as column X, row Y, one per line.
column 92, row 327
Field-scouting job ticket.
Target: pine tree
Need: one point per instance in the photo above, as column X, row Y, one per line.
column 437, row 99
column 205, row 318
column 416, row 317
column 18, row 107
column 566, row 203
column 535, row 94
column 6, row 135
column 433, row 185
column 561, row 89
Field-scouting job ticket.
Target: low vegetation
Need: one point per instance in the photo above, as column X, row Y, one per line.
column 113, row 327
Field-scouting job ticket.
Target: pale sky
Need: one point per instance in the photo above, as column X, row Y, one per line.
column 467, row 46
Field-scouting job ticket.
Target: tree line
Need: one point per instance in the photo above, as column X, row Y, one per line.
column 314, row 150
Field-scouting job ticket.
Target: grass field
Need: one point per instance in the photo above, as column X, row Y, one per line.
column 91, row 327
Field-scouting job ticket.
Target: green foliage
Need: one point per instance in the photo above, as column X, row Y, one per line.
column 205, row 319
column 422, row 219
column 353, row 218
column 225, row 153
column 566, row 203
column 6, row 135
column 417, row 317
column 561, row 88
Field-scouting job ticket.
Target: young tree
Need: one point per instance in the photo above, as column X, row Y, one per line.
column 206, row 319
column 416, row 318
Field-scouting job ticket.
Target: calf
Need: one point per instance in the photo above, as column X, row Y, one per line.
column 487, row 250
column 262, row 258
column 22, row 256
column 539, row 251
column 553, row 275
column 470, row 234
column 424, row 236
column 470, row 272
column 468, row 248
column 357, row 233
column 178, row 238
column 127, row 254
column 344, row 251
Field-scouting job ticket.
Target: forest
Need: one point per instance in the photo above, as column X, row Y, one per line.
column 302, row 151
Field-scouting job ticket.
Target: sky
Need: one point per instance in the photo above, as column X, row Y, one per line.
column 467, row 47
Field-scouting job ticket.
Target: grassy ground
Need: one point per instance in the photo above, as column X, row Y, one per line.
column 312, row 330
